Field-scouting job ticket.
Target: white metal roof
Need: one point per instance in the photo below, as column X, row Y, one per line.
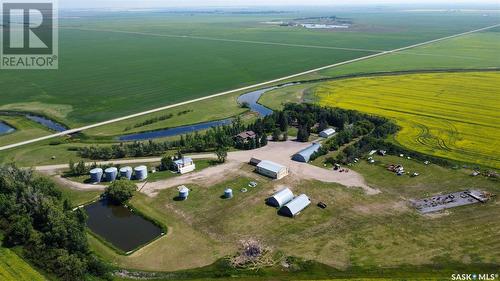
column 184, row 160
column 270, row 166
column 283, row 196
column 328, row 132
column 305, row 154
column 298, row 204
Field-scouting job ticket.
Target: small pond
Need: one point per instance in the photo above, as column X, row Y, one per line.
column 5, row 129
column 47, row 123
column 120, row 226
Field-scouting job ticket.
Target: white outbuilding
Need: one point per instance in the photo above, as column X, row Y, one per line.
column 280, row 198
column 184, row 165
column 272, row 170
column 327, row 133
column 294, row 207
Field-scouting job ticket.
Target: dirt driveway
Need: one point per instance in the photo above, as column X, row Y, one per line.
column 279, row 152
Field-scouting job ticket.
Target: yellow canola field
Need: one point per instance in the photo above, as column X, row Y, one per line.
column 450, row 115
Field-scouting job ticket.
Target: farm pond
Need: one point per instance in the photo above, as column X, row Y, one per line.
column 120, row 226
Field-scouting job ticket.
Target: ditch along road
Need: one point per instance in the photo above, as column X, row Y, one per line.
column 267, row 83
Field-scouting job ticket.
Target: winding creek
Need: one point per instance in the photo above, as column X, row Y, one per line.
column 250, row 99
column 44, row 121
column 50, row 124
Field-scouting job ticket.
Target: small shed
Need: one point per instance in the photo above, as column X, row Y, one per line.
column 272, row 170
column 305, row 154
column 294, row 207
column 280, row 198
column 254, row 161
column 327, row 133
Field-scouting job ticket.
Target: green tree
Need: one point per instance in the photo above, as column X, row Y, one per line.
column 120, row 191
column 221, row 153
column 276, row 134
column 166, row 163
column 71, row 166
column 263, row 140
column 80, row 169
column 283, row 121
column 303, row 134
column 18, row 232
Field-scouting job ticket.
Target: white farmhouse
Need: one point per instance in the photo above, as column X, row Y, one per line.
column 184, row 165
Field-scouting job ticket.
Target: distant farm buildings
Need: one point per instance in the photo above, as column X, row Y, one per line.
column 184, row 165
column 327, row 133
column 305, row 154
column 271, row 169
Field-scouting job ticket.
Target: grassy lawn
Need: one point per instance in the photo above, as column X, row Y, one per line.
column 25, row 129
column 41, row 154
column 14, row 268
column 362, row 231
column 441, row 114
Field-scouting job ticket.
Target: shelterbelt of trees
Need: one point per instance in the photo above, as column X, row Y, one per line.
column 363, row 132
column 34, row 216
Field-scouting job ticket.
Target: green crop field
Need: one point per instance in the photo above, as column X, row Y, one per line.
column 13, row 268
column 478, row 50
column 450, row 115
column 106, row 72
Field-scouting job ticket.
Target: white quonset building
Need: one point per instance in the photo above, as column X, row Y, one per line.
column 184, row 165
column 305, row 154
column 271, row 169
column 327, row 133
column 294, row 207
column 280, row 198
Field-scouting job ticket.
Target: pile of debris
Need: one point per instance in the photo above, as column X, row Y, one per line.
column 253, row 255
column 441, row 202
column 397, row 169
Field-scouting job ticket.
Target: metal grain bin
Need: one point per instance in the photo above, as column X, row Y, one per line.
column 228, row 193
column 96, row 175
column 141, row 172
column 126, row 173
column 183, row 192
column 111, row 173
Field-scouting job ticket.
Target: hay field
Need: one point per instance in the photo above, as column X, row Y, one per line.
column 13, row 268
column 450, row 115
